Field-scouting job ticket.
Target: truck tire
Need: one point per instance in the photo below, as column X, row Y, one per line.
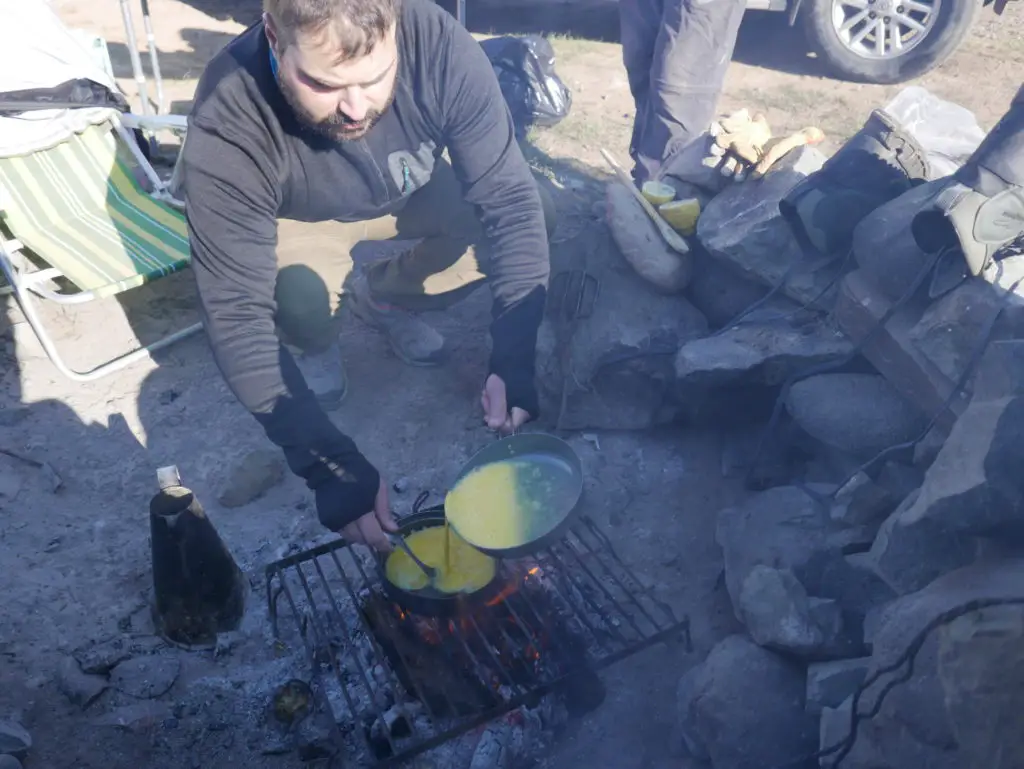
column 941, row 26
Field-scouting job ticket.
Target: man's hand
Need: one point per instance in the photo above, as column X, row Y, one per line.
column 369, row 530
column 496, row 412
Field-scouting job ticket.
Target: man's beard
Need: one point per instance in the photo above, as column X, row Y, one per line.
column 337, row 127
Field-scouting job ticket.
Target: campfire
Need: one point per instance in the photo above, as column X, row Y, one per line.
column 398, row 682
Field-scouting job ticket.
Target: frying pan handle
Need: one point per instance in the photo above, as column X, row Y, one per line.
column 421, row 499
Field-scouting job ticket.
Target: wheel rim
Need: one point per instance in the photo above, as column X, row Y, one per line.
column 883, row 29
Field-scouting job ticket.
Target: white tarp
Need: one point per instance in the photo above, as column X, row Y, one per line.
column 38, row 51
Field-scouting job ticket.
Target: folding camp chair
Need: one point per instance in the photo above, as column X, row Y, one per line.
column 79, row 208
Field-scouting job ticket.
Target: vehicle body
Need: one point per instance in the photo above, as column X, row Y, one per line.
column 880, row 41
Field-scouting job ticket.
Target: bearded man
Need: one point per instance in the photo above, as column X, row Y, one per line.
column 339, row 111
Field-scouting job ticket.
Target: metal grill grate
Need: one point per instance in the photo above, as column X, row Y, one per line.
column 572, row 609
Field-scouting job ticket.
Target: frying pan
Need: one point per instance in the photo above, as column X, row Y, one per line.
column 429, row 601
column 554, row 519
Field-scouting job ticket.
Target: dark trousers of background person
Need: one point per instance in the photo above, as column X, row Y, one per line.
column 676, row 54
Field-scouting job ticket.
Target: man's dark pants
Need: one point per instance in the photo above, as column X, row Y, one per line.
column 676, row 54
column 315, row 262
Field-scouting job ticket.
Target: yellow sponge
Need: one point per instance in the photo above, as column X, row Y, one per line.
column 681, row 215
column 657, row 193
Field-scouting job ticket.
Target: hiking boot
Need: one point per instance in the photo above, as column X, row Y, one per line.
column 325, row 375
column 412, row 340
column 878, row 164
column 982, row 210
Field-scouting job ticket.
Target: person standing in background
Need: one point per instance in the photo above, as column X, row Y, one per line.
column 676, row 54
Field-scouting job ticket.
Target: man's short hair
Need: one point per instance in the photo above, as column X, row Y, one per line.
column 356, row 26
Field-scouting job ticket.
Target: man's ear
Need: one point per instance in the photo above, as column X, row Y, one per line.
column 271, row 31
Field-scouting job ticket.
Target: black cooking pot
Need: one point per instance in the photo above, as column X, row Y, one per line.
column 429, row 601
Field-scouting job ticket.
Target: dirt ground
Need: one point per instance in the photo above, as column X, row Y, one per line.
column 77, row 561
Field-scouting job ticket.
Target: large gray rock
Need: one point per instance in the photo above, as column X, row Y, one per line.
column 743, row 708
column 756, row 354
column 742, row 227
column 721, row 293
column 951, row 329
column 884, row 247
column 620, row 358
column 861, row 414
column 961, row 707
column 642, row 245
column 973, row 489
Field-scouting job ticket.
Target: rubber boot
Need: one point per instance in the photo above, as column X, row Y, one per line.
column 878, row 164
column 199, row 591
column 982, row 209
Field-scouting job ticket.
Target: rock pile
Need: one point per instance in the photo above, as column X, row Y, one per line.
column 841, row 589
column 866, row 577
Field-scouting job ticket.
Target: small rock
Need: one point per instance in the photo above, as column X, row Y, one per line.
column 861, row 414
column 255, row 474
column 971, row 490
column 743, row 228
column 101, row 657
column 146, row 677
column 138, row 716
column 400, row 486
column 756, row 354
column 831, row 683
column 745, row 705
column 777, row 613
column 14, row 739
column 9, row 762
column 79, row 687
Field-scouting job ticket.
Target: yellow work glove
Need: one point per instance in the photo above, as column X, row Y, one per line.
column 743, row 145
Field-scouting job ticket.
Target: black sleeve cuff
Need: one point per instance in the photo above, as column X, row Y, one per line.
column 348, row 493
column 343, row 481
column 514, row 350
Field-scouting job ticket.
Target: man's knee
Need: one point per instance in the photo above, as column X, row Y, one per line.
column 304, row 315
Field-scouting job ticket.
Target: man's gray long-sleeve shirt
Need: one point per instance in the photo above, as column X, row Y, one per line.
column 249, row 162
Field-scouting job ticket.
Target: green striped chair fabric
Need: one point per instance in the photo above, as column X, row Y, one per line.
column 79, row 208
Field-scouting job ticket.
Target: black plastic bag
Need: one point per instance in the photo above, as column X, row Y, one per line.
column 535, row 94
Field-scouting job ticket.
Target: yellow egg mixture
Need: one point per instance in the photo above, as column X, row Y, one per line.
column 507, row 503
column 461, row 568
